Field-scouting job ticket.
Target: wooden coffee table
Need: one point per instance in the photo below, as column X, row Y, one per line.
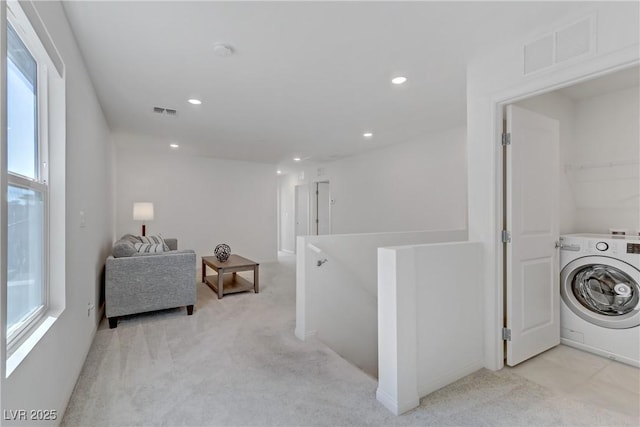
column 224, row 283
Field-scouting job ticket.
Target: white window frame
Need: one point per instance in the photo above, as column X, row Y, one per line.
column 19, row 332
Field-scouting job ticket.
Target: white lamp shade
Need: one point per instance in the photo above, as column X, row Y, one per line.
column 143, row 211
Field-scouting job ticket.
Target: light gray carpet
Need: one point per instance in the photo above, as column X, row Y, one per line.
column 236, row 362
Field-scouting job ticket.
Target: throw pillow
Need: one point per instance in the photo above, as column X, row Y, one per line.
column 148, row 248
column 131, row 238
column 123, row 248
column 154, row 240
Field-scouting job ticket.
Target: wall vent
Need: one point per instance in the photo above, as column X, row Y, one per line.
column 165, row 111
column 538, row 54
column 574, row 40
column 562, row 44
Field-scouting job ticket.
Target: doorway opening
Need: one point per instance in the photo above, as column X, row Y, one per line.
column 321, row 208
column 594, row 179
column 301, row 203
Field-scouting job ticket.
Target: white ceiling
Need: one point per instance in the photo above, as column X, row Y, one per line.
column 307, row 78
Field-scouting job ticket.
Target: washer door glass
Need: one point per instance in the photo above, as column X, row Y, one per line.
column 605, row 290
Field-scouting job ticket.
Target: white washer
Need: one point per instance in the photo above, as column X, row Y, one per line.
column 600, row 289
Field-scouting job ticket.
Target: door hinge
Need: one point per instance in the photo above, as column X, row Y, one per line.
column 506, row 334
column 506, row 138
column 506, row 236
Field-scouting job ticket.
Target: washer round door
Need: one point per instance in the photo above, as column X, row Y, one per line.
column 603, row 291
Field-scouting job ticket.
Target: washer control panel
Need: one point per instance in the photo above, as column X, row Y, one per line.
column 602, row 246
column 633, row 248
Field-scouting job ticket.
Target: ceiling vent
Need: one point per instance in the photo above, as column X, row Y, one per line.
column 165, row 111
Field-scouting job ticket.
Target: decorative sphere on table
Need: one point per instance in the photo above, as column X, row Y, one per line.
column 222, row 252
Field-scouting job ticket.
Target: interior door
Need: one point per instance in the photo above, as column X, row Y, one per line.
column 532, row 218
column 323, row 208
column 302, row 211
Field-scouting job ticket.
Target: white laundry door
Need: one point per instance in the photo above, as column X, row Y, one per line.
column 532, row 220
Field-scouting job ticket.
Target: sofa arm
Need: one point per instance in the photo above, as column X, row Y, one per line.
column 139, row 284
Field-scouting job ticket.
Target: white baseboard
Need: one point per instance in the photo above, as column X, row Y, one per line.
column 449, row 377
column 393, row 405
column 599, row 352
column 303, row 335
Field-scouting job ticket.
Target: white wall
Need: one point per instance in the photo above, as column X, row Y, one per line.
column 605, row 170
column 418, row 185
column 599, row 155
column 46, row 377
column 338, row 300
column 498, row 78
column 201, row 201
column 428, row 331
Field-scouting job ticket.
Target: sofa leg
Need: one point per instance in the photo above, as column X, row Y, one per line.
column 113, row 322
column 189, row 310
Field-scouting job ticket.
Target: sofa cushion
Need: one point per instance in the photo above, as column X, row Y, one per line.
column 148, row 248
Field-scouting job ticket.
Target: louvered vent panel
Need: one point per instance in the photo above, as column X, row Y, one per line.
column 538, row 54
column 560, row 45
column 573, row 41
column 165, row 111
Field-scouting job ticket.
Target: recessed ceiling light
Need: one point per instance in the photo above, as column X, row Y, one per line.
column 296, row 159
column 195, row 101
column 279, row 172
column 174, row 145
column 367, row 134
column 398, row 80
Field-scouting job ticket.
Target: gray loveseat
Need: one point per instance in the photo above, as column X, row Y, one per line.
column 137, row 283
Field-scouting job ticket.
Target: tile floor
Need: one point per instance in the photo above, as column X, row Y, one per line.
column 585, row 377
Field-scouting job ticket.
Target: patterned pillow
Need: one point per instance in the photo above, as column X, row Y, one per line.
column 148, row 248
column 154, row 240
column 131, row 238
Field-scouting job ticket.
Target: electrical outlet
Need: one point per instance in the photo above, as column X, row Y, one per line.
column 83, row 220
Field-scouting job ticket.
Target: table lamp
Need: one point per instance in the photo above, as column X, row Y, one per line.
column 143, row 211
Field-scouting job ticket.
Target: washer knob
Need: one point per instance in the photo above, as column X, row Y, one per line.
column 602, row 246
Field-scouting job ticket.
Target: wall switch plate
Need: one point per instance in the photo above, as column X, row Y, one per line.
column 83, row 220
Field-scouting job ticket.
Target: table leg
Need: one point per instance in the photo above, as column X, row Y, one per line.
column 234, row 276
column 220, row 283
column 256, row 278
column 204, row 270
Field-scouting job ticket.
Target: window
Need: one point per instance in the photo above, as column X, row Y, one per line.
column 27, row 188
